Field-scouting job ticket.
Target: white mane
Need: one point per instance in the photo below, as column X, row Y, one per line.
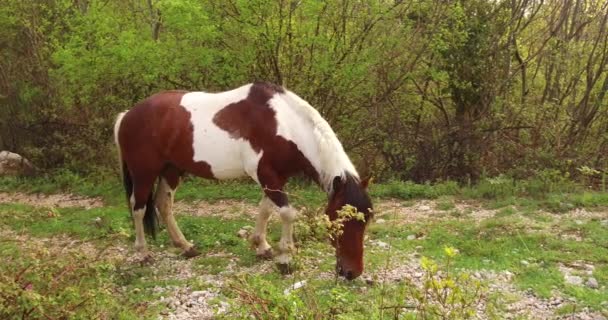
column 334, row 161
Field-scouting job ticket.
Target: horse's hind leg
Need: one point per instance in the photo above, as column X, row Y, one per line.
column 165, row 194
column 139, row 201
column 258, row 239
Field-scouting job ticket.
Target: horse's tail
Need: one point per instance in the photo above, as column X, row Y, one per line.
column 150, row 222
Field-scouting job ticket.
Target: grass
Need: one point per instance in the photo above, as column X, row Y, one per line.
column 517, row 238
column 545, row 191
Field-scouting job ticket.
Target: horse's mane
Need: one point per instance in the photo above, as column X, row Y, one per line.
column 334, row 160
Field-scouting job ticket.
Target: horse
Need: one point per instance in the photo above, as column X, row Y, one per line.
column 260, row 130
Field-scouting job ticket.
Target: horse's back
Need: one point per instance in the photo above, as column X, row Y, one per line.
column 217, row 135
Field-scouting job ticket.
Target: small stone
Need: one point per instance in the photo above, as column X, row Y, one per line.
column 243, row 233
column 525, row 263
column 592, row 283
column 295, row 286
column 575, row 280
column 424, row 208
column 380, row 221
column 197, row 293
column 382, row 244
column 578, row 222
column 411, row 237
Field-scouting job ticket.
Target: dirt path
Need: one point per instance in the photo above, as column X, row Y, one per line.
column 53, row 200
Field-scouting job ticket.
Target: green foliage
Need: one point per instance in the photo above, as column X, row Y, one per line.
column 446, row 293
column 416, row 90
column 36, row 282
column 410, row 190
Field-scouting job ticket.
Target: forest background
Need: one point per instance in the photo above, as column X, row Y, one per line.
column 420, row 90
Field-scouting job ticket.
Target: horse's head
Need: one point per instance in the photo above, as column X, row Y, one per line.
column 349, row 243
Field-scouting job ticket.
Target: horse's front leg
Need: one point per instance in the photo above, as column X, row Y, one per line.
column 286, row 246
column 273, row 188
column 258, row 238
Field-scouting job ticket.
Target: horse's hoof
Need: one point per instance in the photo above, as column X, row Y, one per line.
column 285, row 268
column 191, row 252
column 266, row 255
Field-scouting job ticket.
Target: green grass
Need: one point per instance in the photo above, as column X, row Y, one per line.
column 546, row 191
column 503, row 242
column 518, row 233
column 38, row 282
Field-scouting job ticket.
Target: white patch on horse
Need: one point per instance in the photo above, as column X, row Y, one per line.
column 322, row 148
column 228, row 157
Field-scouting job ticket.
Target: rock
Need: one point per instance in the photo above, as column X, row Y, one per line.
column 382, row 244
column 525, row 263
column 243, row 233
column 13, row 164
column 411, row 237
column 575, row 280
column 198, row 293
column 424, row 208
column 592, row 283
column 295, row 286
column 380, row 221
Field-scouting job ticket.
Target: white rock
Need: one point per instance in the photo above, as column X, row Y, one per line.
column 380, row 221
column 382, row 244
column 424, row 208
column 295, row 286
column 592, row 283
column 575, row 280
column 411, row 237
column 14, row 164
column 243, row 233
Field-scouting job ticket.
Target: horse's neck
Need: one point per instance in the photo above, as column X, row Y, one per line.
column 327, row 154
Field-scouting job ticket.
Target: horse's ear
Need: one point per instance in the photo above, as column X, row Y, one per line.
column 337, row 184
column 366, row 182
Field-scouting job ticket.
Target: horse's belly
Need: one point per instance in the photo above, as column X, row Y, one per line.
column 227, row 158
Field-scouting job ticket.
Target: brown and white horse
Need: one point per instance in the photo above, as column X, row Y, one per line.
column 260, row 130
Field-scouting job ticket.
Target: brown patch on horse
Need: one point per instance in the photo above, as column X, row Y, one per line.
column 250, row 120
column 162, row 122
column 254, row 120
